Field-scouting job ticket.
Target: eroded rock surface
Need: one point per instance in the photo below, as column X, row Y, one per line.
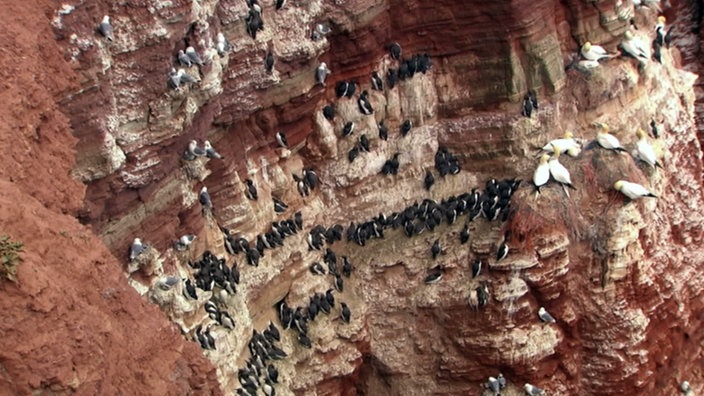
column 621, row 278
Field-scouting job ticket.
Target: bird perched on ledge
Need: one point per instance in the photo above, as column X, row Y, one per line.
column 594, row 52
column 105, row 28
column 632, row 190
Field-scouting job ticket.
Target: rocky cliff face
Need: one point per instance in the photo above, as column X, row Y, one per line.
column 106, row 135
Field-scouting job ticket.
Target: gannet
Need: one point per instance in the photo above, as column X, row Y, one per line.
column 559, row 172
column 606, row 140
column 563, row 144
column 632, row 190
column 594, row 52
column 542, row 173
column 634, row 47
column 645, row 150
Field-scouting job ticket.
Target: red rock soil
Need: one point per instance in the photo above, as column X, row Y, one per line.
column 71, row 323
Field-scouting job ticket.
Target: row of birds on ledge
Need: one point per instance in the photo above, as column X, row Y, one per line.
column 213, row 273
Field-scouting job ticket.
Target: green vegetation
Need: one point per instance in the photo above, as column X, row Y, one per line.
column 10, row 253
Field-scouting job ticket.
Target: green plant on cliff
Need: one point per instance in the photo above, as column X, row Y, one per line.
column 10, row 253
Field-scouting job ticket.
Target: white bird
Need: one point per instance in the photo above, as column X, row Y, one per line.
column 184, row 59
column 645, row 150
column 594, row 52
column 632, row 190
column 559, row 172
column 563, row 144
column 222, row 45
column 184, row 242
column 545, row 316
column 322, row 73
column 281, row 139
column 210, row 151
column 542, row 173
column 493, row 385
column 607, row 140
column 193, row 55
column 193, row 151
column 634, row 47
column 105, row 28
column 685, row 387
column 204, row 198
column 586, row 65
column 532, row 390
column 136, row 249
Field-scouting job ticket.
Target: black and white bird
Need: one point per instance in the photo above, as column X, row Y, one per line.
column 377, row 82
column 317, row 269
column 136, row 249
column 345, row 312
column 532, row 390
column 279, row 205
column 321, row 73
column 527, row 108
column 429, row 180
column 435, row 250
column 406, row 127
column 434, row 275
column 189, row 291
column 364, row 143
column 545, row 316
column 184, row 242
column 390, row 167
column 183, row 59
column 502, row 251
column 105, row 28
column 281, row 139
column 329, row 112
column 383, row 131
column 193, row 55
column 179, row 78
column 210, row 151
column 395, row 50
column 476, row 267
column 353, row 153
column 348, row 129
column 364, row 105
column 250, row 190
column 464, row 234
column 222, row 45
column 204, row 198
column 269, row 62
column 193, row 151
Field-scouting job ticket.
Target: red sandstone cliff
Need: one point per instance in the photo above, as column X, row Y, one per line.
column 94, row 134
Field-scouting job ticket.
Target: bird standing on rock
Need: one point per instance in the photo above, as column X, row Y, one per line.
column 596, row 53
column 281, row 139
column 607, row 140
column 193, row 55
column 634, row 47
column 435, row 250
column 136, row 249
column 545, row 316
column 632, row 190
column 532, row 390
column 406, row 127
column 542, row 173
column 645, row 151
column 321, row 73
column 559, row 172
column 429, row 180
column 105, row 28
column 435, row 275
column 250, row 190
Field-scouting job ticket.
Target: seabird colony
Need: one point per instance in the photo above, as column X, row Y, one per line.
column 212, row 275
